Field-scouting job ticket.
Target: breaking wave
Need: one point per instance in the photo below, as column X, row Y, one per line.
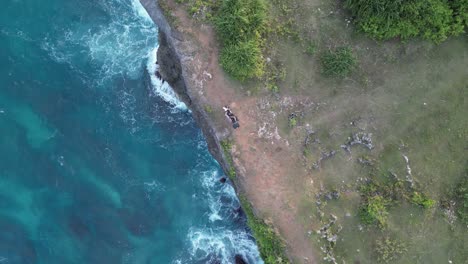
column 215, row 243
column 160, row 88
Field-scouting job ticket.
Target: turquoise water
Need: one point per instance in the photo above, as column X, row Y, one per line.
column 99, row 163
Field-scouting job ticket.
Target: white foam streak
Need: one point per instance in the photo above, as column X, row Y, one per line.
column 161, row 89
column 219, row 241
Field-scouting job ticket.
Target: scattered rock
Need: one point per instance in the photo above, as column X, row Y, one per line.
column 365, row 161
column 324, row 156
column 360, row 138
column 240, row 260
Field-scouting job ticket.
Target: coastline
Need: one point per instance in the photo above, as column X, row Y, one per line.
column 174, row 55
column 254, row 157
column 175, row 73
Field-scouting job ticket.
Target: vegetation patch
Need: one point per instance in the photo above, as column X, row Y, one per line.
column 167, row 13
column 208, row 109
column 433, row 20
column 243, row 60
column 240, row 25
column 421, row 200
column 377, row 198
column 269, row 243
column 462, row 200
column 201, row 9
column 389, row 250
column 338, row 63
column 292, row 120
column 227, row 147
column 374, row 210
column 311, row 48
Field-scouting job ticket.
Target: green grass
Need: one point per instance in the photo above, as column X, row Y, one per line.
column 338, row 63
column 240, row 25
column 270, row 244
column 461, row 198
column 389, row 249
column 434, row 20
column 227, row 147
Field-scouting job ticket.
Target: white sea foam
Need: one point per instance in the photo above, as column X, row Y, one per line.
column 222, row 243
column 217, row 239
column 117, row 47
column 161, row 89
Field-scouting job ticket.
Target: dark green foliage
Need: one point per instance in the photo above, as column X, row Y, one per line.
column 421, row 200
column 240, row 20
column 460, row 12
column 462, row 200
column 338, row 63
column 240, row 25
column 242, row 60
column 271, row 246
column 430, row 19
column 374, row 210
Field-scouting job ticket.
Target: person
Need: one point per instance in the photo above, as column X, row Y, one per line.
column 230, row 115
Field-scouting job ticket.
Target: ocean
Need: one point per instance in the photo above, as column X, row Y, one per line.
column 99, row 161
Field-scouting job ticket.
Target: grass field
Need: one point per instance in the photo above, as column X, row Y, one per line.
column 412, row 97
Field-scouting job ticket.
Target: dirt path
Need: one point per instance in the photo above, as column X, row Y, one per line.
column 260, row 154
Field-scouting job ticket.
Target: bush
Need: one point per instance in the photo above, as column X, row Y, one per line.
column 422, row 200
column 430, row 19
column 240, row 25
column 243, row 60
column 374, row 210
column 338, row 63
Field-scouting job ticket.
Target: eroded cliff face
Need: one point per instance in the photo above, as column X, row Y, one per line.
column 171, row 69
column 175, row 72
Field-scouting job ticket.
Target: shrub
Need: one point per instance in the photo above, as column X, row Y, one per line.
column 338, row 63
column 240, row 20
column 240, row 25
column 460, row 12
column 430, row 19
column 374, row 210
column 243, row 60
column 292, row 120
column 422, row 200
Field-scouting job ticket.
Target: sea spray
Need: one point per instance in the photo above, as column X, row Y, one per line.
column 160, row 87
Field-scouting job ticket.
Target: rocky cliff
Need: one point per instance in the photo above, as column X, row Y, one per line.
column 173, row 51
